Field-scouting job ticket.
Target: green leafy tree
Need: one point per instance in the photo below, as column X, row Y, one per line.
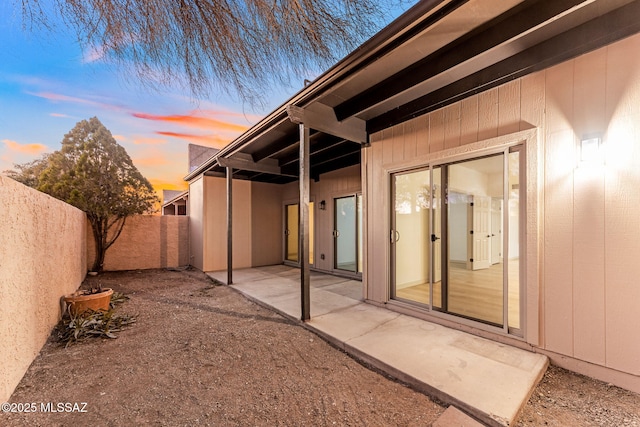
column 29, row 173
column 95, row 174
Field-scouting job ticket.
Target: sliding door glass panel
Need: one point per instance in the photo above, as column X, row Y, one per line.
column 311, row 233
column 345, row 234
column 411, row 235
column 513, row 257
column 475, row 287
column 436, row 247
column 360, row 232
column 291, row 233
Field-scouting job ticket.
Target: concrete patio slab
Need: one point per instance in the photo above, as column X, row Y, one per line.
column 489, row 380
column 453, row 417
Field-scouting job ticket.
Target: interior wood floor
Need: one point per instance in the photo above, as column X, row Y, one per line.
column 475, row 294
column 348, row 266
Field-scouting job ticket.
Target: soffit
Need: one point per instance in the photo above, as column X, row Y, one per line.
column 445, row 30
column 472, row 15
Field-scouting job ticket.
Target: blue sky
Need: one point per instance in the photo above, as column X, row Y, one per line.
column 48, row 84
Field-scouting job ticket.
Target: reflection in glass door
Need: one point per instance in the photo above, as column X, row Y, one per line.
column 475, row 287
column 292, row 237
column 456, row 239
column 410, row 236
column 291, row 233
column 348, row 233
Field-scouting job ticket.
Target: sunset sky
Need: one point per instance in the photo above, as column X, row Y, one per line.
column 48, row 84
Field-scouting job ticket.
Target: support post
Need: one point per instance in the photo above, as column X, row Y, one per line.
column 303, row 217
column 229, row 226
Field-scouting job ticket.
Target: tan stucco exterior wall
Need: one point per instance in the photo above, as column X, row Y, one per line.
column 42, row 257
column 266, row 224
column 215, row 224
column 196, row 223
column 257, row 223
column 589, row 298
column 146, row 241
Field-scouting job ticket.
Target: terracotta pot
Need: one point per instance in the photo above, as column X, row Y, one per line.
column 79, row 302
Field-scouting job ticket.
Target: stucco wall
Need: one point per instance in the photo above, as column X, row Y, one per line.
column 266, row 224
column 147, row 241
column 588, row 295
column 42, row 257
column 196, row 223
column 212, row 221
column 257, row 223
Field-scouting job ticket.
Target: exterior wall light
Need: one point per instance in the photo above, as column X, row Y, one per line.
column 590, row 150
column 323, row 205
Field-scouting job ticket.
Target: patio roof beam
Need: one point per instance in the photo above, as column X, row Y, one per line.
column 281, row 144
column 350, row 159
column 316, row 148
column 245, row 162
column 215, row 173
column 322, row 118
column 510, row 25
column 589, row 36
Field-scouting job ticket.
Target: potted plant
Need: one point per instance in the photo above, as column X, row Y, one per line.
column 88, row 299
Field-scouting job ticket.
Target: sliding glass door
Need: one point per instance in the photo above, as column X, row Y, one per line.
column 348, row 233
column 410, row 236
column 292, row 237
column 475, row 287
column 455, row 238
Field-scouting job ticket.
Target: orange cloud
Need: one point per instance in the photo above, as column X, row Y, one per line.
column 120, row 138
column 31, row 149
column 194, row 121
column 211, row 140
column 163, row 184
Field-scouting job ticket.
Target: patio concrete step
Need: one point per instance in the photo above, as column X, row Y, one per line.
column 488, row 380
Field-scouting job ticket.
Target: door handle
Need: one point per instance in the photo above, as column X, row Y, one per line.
column 394, row 236
column 434, row 238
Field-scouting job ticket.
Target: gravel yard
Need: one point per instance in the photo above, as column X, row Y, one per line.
column 201, row 354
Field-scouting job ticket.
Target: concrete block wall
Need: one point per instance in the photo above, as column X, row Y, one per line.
column 147, row 241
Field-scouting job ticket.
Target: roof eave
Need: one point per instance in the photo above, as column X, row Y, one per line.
column 348, row 64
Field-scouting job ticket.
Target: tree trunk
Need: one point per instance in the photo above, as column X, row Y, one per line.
column 99, row 239
column 101, row 227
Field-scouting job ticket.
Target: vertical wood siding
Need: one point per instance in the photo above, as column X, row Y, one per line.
column 588, row 293
column 333, row 184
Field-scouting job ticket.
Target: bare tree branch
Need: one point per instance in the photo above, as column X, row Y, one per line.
column 236, row 47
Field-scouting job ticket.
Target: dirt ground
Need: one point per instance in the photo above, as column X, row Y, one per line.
column 201, row 354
